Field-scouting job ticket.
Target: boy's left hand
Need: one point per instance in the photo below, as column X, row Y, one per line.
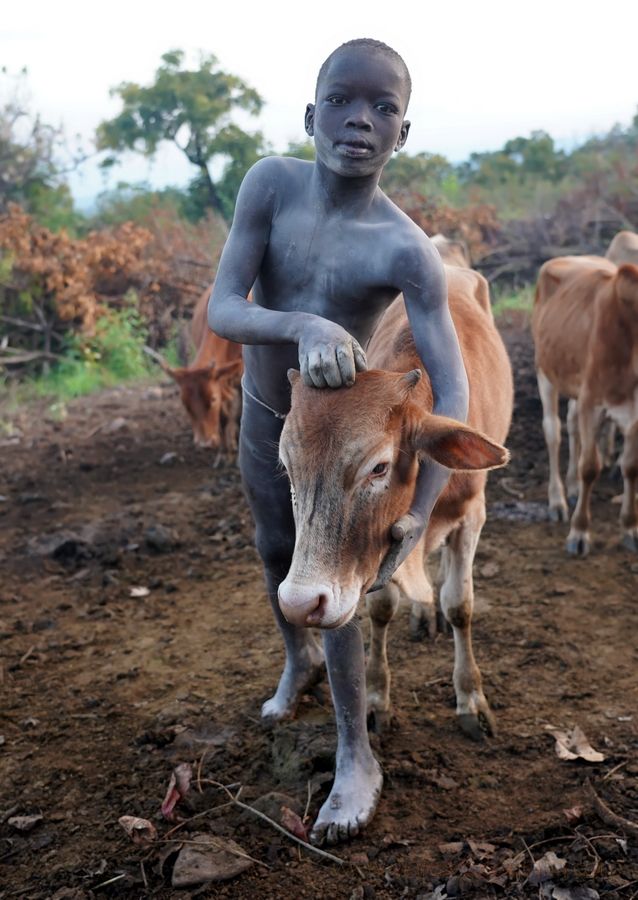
column 405, row 534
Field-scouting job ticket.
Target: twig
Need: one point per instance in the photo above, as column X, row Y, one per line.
column 200, row 815
column 309, row 797
column 110, row 881
column 199, row 771
column 608, row 815
column 279, row 828
column 144, row 878
column 26, row 655
column 615, row 769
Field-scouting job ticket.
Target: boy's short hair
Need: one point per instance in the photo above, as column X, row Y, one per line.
column 375, row 47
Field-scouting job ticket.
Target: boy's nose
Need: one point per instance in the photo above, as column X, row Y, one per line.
column 358, row 118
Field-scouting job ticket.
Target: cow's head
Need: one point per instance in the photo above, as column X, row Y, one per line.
column 206, row 392
column 352, row 458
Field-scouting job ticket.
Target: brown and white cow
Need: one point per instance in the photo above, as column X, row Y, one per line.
column 352, row 456
column 585, row 327
column 452, row 252
column 210, row 385
column 623, row 248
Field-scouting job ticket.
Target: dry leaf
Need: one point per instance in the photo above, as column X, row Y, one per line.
column 139, row 592
column 545, row 867
column 577, row 893
column 574, row 813
column 574, row 745
column 24, row 823
column 451, row 848
column 292, row 823
column 205, row 858
column 140, row 831
column 178, row 787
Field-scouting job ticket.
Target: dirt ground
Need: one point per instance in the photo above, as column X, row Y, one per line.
column 106, row 688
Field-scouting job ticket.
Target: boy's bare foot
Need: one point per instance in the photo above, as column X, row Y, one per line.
column 351, row 804
column 298, row 676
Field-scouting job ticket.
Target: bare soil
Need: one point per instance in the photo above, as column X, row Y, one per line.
column 104, row 691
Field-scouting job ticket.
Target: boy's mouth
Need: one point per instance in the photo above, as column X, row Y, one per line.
column 355, row 148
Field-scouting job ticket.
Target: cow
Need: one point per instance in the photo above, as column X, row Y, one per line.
column 585, row 328
column 623, row 248
column 210, row 385
column 452, row 252
column 352, row 457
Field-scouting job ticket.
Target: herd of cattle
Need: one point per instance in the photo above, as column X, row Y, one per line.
column 585, row 329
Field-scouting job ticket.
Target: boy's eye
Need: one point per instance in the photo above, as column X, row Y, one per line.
column 387, row 108
column 336, row 100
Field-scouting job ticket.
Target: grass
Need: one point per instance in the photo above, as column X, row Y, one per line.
column 505, row 301
column 112, row 355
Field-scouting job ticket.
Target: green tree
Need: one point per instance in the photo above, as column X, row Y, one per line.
column 192, row 108
column 34, row 159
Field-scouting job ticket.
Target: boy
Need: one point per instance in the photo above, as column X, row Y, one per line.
column 325, row 252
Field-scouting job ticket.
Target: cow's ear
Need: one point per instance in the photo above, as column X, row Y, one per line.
column 457, row 446
column 293, row 376
column 232, row 368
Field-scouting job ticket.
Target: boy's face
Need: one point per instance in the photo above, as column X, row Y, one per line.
column 357, row 121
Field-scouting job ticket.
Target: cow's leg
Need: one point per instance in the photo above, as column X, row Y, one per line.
column 574, row 451
column 629, row 469
column 358, row 778
column 457, row 600
column 268, row 495
column 382, row 606
column 551, row 430
column 589, row 465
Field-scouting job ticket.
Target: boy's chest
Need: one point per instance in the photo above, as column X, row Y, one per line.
column 333, row 259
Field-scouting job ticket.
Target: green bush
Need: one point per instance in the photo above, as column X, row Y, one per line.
column 112, row 354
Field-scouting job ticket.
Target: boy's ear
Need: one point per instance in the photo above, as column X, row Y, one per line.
column 403, row 135
column 309, row 120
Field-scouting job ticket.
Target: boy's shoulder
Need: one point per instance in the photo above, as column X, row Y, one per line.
column 409, row 239
column 280, row 168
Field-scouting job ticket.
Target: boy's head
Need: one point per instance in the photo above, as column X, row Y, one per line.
column 371, row 47
column 361, row 97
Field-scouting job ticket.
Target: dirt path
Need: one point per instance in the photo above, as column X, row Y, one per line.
column 103, row 691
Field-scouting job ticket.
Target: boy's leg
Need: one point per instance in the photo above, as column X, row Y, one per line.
column 268, row 494
column 358, row 779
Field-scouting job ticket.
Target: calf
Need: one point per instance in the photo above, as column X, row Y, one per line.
column 585, row 327
column 453, row 253
column 210, row 385
column 623, row 248
column 352, row 456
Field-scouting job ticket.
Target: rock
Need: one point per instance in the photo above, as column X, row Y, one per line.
column 168, row 459
column 24, row 823
column 208, row 858
column 160, row 539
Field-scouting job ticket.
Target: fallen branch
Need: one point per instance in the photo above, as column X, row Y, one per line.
column 275, row 825
column 608, row 815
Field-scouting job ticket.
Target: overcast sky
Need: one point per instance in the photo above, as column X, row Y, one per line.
column 482, row 70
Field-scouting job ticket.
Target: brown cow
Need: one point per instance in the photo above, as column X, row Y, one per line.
column 623, row 248
column 585, row 327
column 352, row 457
column 210, row 385
column 453, row 253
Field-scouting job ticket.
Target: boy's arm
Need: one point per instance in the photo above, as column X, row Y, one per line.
column 328, row 354
column 425, row 291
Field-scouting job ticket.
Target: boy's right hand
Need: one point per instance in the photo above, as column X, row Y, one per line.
column 329, row 356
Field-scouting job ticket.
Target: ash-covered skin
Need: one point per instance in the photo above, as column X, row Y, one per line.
column 325, row 252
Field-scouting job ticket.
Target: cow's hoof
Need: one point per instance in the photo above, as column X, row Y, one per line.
column 379, row 720
column 479, row 725
column 630, row 541
column 557, row 513
column 577, row 544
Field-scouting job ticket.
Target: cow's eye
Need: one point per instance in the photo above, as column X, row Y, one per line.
column 380, row 469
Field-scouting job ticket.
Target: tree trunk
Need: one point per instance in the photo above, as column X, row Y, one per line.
column 213, row 196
